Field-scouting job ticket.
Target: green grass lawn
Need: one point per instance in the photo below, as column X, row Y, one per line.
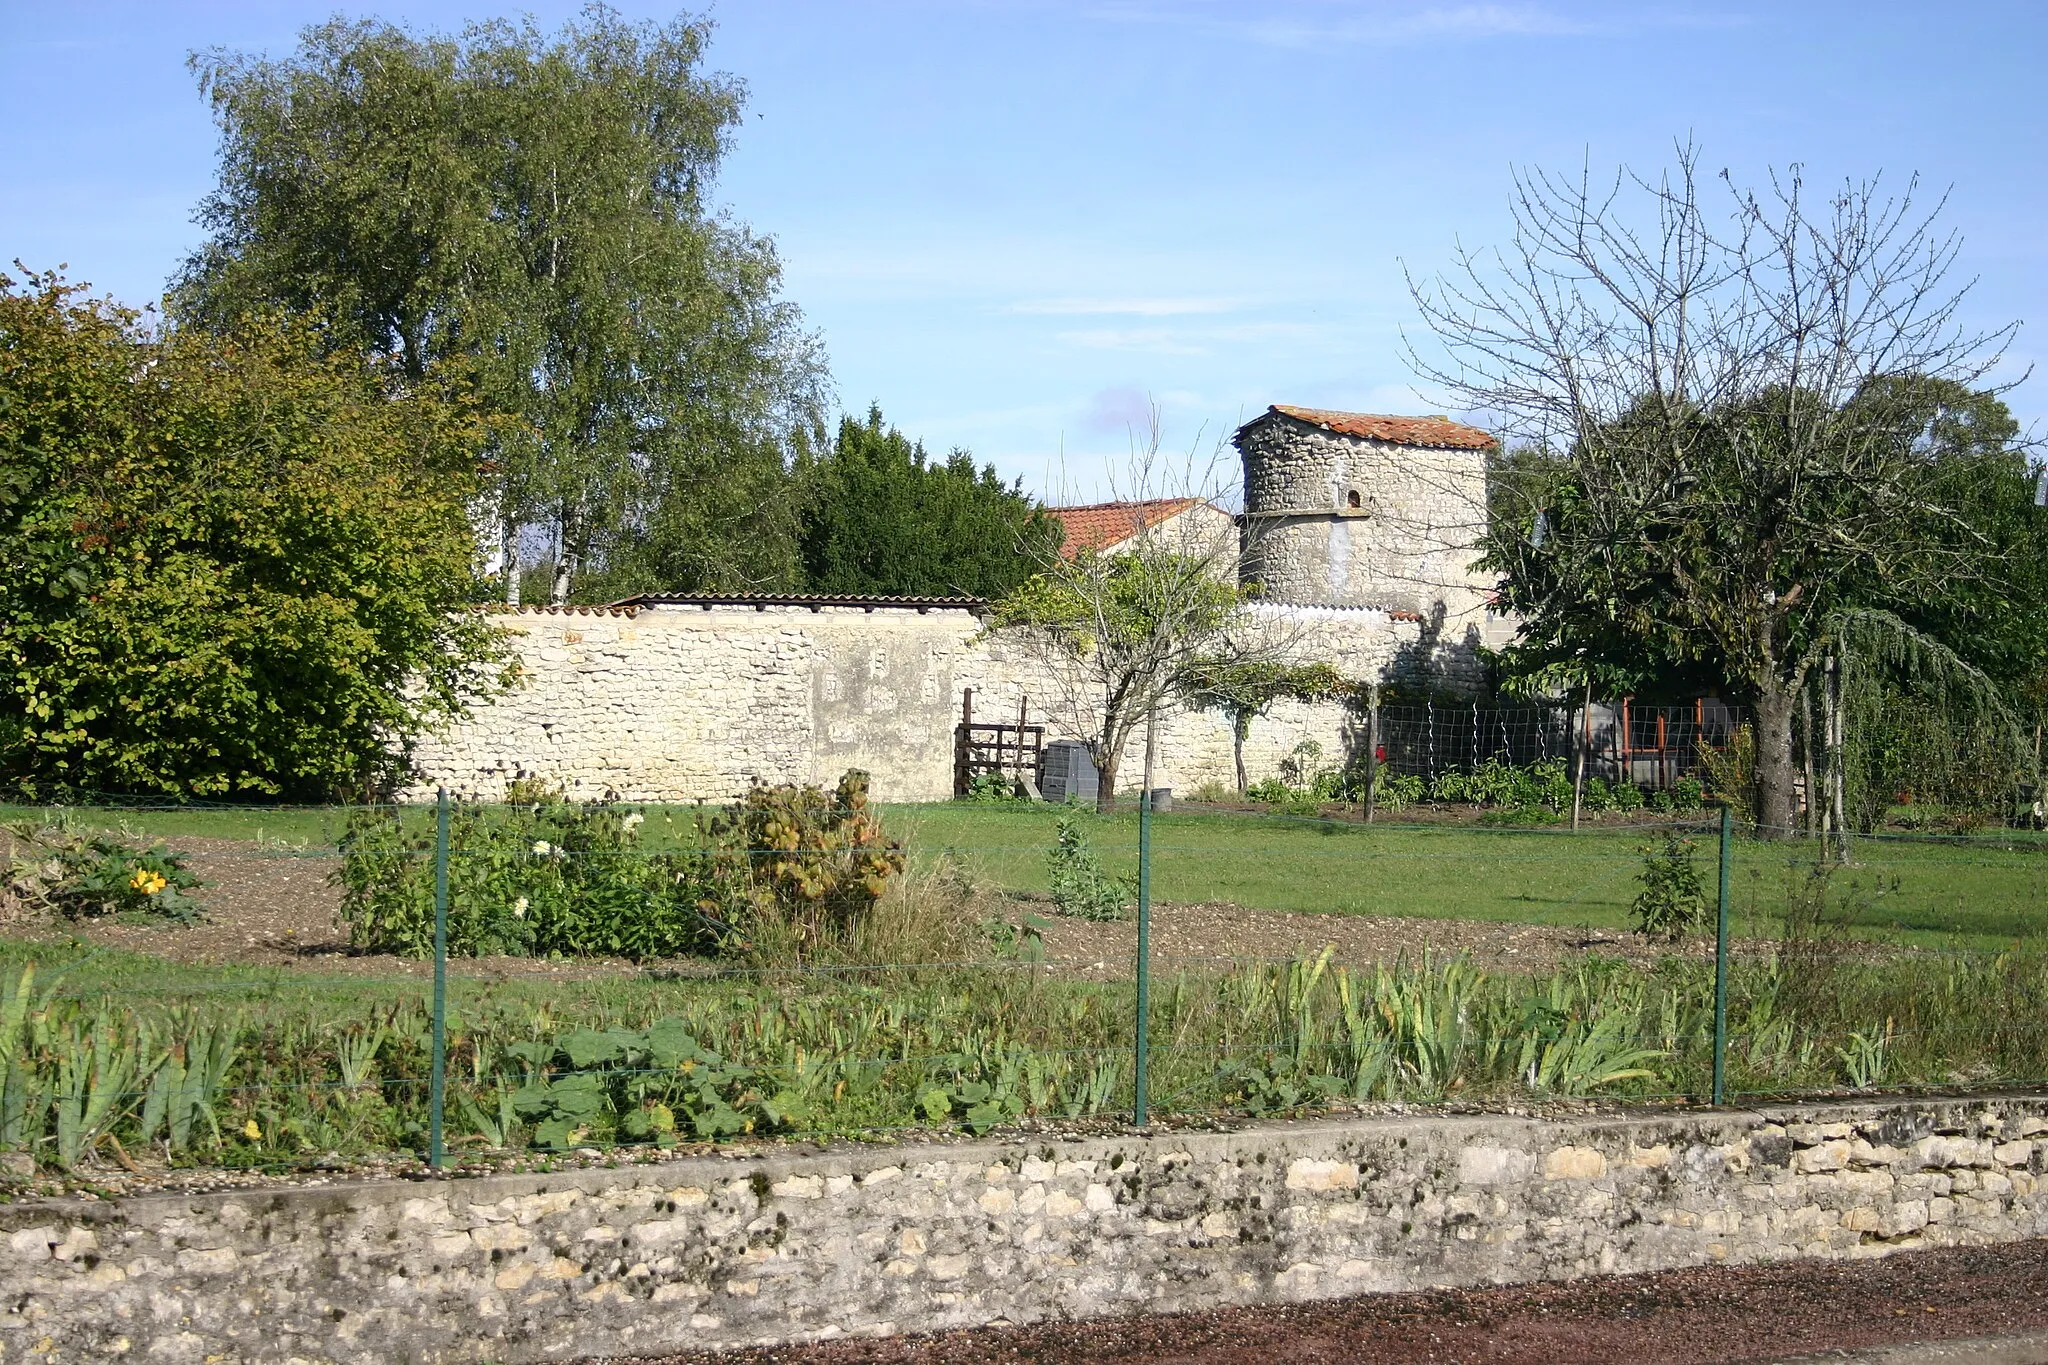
column 1981, row 893
column 1976, row 894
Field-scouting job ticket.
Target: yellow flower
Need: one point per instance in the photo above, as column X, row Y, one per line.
column 252, row 1132
column 146, row 881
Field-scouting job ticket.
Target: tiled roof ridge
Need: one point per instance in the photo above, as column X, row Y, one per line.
column 1391, row 613
column 794, row 599
column 557, row 609
column 1120, row 504
column 1410, row 431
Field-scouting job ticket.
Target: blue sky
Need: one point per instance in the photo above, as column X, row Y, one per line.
column 1016, row 222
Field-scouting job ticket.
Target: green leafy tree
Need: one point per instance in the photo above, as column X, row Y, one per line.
column 1245, row 689
column 879, row 516
column 1723, row 409
column 229, row 563
column 536, row 205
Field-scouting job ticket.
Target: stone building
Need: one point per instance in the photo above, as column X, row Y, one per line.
column 1352, row 509
column 1108, row 527
column 1360, row 529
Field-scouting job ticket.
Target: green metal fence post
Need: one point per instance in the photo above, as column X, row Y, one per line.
column 1721, row 961
column 437, row 1092
column 1144, row 1044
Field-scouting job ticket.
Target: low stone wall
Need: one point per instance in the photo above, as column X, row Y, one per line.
column 731, row 1250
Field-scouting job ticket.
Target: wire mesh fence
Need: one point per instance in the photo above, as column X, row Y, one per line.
column 1654, row 747
column 1289, row 964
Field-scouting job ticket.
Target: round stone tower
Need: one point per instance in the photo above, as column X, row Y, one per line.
column 1350, row 509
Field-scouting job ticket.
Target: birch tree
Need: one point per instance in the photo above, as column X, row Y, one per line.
column 538, row 207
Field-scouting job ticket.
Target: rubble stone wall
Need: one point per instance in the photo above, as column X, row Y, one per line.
column 1408, row 543
column 792, row 1245
column 681, row 703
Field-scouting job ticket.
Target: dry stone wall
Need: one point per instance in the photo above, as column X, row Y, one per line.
column 1407, row 545
column 683, row 703
column 712, row 1251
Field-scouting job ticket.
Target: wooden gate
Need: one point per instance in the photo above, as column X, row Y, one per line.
column 1013, row 749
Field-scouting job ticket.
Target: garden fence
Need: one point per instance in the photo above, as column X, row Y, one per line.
column 1247, row 964
column 1654, row 747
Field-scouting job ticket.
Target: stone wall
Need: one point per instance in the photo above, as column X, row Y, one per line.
column 677, row 703
column 712, row 1251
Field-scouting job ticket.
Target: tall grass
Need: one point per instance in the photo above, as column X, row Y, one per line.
column 302, row 1073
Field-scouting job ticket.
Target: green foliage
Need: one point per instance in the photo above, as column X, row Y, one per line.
column 591, row 1086
column 1543, row 784
column 991, row 788
column 815, row 864
column 787, row 870
column 1397, row 791
column 227, row 564
column 1673, row 901
column 1133, row 630
column 877, row 516
column 535, row 206
column 1080, row 888
column 552, row 877
column 79, row 874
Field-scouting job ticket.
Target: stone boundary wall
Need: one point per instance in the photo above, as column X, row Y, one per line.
column 682, row 703
column 726, row 1251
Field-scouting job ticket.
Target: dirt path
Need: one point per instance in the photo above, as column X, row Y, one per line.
column 1713, row 1316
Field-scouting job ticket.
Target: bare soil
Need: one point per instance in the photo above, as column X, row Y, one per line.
column 1713, row 1316
column 276, row 907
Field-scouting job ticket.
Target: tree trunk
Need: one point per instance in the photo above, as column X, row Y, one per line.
column 1238, row 727
column 1775, row 705
column 1151, row 756
column 1806, row 762
column 1582, row 740
column 511, row 557
column 1105, row 779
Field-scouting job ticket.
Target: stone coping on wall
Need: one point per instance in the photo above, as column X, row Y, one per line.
column 806, row 1243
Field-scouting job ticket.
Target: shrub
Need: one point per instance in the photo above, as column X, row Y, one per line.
column 991, row 788
column 818, row 864
column 80, row 875
column 1396, row 791
column 1080, row 887
column 1731, row 772
column 1673, row 900
column 550, row 877
column 787, row 870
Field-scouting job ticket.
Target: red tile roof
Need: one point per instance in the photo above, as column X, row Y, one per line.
column 1100, row 525
column 1406, row 431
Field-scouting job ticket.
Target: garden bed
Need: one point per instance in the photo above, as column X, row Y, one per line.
column 271, row 907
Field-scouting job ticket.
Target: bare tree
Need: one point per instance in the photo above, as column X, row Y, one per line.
column 1723, row 417
column 1118, row 635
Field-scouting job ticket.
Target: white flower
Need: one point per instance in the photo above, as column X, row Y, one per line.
column 542, row 848
column 634, row 821
column 519, row 908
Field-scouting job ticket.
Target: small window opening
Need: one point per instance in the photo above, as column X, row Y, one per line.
column 1353, row 501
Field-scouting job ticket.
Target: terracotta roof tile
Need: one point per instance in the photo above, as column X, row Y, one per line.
column 1099, row 525
column 1407, row 431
